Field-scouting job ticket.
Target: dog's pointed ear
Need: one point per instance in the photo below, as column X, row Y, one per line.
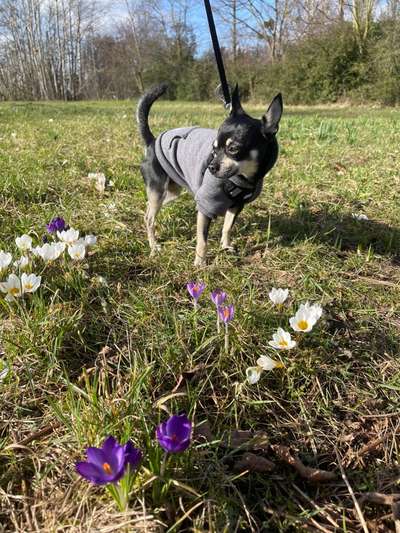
column 236, row 106
column 270, row 121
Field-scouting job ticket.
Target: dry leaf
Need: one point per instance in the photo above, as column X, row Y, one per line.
column 253, row 463
column 371, row 446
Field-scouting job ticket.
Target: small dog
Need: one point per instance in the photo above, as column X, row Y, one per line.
column 222, row 169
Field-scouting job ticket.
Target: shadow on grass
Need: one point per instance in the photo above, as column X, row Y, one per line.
column 341, row 231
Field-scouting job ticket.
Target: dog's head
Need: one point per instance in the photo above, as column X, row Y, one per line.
column 245, row 145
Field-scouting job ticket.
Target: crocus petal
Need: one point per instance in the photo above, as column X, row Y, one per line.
column 180, row 426
column 218, row 297
column 267, row 363
column 109, row 445
column 253, row 374
column 226, row 313
column 174, row 435
column 172, row 446
column 116, row 459
column 92, row 473
column 133, row 455
column 195, row 289
column 278, row 296
column 97, row 457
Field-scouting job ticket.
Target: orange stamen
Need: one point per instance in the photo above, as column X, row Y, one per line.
column 107, row 469
column 302, row 324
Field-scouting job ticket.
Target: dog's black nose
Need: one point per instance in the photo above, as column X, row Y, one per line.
column 213, row 167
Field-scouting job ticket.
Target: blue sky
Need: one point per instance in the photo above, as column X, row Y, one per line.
column 117, row 10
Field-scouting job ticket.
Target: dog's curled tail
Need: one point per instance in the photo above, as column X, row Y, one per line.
column 143, row 109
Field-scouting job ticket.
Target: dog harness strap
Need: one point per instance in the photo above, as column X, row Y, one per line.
column 239, row 189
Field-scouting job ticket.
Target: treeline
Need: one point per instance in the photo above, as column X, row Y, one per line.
column 313, row 51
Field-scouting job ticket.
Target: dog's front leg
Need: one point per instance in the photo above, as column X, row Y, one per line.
column 203, row 225
column 230, row 217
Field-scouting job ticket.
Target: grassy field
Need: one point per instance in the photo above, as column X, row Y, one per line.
column 111, row 345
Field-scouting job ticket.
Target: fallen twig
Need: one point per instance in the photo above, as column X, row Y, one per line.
column 315, row 475
column 380, row 498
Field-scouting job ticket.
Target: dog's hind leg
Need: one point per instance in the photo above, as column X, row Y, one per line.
column 173, row 191
column 230, row 217
column 155, row 200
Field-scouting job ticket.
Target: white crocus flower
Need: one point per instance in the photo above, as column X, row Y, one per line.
column 253, row 374
column 315, row 309
column 36, row 251
column 359, row 216
column 24, row 243
column 50, row 252
column 282, row 340
column 30, row 283
column 77, row 251
column 69, row 236
column 267, row 363
column 278, row 296
column 59, row 247
column 22, row 262
column 306, row 317
column 99, row 281
column 99, row 179
column 90, row 240
column 4, row 370
column 5, row 260
column 12, row 287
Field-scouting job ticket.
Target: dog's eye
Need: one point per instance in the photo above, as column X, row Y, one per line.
column 232, row 150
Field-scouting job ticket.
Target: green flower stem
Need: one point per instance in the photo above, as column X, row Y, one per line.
column 118, row 495
column 163, row 465
column 226, row 338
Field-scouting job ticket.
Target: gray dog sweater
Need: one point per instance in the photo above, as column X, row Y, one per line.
column 183, row 153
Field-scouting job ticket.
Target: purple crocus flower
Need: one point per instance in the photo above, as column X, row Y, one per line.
column 174, row 434
column 107, row 464
column 195, row 289
column 133, row 455
column 226, row 313
column 57, row 224
column 218, row 297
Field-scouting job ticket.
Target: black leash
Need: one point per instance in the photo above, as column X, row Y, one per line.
column 217, row 52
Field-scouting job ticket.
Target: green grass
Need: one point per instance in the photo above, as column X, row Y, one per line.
column 88, row 360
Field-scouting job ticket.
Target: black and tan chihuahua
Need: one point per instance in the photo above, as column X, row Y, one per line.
column 223, row 169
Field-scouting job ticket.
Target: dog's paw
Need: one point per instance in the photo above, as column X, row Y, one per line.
column 229, row 249
column 200, row 262
column 155, row 250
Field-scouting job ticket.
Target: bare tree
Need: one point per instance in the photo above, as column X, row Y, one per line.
column 42, row 47
column 266, row 22
column 362, row 12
